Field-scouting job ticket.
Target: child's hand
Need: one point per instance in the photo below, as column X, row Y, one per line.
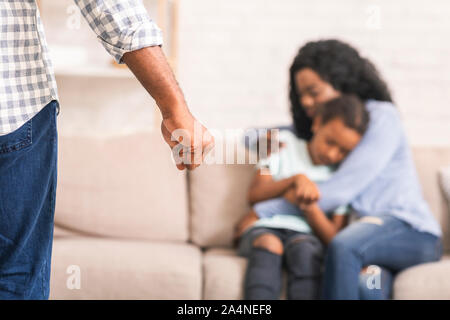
column 290, row 196
column 308, row 208
column 306, row 191
column 246, row 222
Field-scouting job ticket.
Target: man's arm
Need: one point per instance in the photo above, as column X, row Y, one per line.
column 150, row 67
column 120, row 25
column 130, row 36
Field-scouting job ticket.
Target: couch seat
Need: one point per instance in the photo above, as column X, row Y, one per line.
column 125, row 269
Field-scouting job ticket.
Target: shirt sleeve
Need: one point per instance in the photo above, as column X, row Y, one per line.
column 271, row 164
column 120, row 25
column 250, row 141
column 342, row 210
column 366, row 161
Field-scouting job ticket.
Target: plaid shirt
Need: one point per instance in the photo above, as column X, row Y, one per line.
column 27, row 81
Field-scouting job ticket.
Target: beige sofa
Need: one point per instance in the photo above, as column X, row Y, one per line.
column 136, row 228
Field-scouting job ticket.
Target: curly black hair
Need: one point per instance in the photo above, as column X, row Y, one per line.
column 347, row 107
column 340, row 65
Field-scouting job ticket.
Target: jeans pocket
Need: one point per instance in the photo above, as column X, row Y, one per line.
column 17, row 139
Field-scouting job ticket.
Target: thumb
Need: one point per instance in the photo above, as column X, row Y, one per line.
column 167, row 135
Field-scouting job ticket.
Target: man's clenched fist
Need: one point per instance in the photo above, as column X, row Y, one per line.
column 189, row 140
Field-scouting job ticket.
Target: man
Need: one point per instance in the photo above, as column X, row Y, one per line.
column 28, row 133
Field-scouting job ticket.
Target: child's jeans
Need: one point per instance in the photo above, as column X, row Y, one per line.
column 302, row 257
column 28, row 169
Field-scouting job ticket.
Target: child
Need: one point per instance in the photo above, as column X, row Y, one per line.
column 292, row 228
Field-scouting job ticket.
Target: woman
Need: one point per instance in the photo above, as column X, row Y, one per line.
column 396, row 229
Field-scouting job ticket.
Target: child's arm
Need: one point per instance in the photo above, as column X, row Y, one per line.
column 264, row 187
column 324, row 227
column 246, row 222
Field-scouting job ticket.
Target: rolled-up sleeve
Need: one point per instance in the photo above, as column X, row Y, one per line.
column 121, row 25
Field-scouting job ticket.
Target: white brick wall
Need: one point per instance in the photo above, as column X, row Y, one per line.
column 234, row 56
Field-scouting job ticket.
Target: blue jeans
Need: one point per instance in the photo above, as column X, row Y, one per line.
column 387, row 242
column 376, row 285
column 28, row 172
column 302, row 258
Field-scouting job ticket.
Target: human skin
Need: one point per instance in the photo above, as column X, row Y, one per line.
column 150, row 67
column 330, row 144
column 313, row 90
column 298, row 190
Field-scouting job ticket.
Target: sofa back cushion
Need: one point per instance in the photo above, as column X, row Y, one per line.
column 217, row 202
column 429, row 161
column 218, row 196
column 124, row 186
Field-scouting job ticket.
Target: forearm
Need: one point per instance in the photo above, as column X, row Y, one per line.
column 150, row 67
column 269, row 190
column 321, row 224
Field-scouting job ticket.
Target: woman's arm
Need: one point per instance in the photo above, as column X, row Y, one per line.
column 325, row 228
column 367, row 160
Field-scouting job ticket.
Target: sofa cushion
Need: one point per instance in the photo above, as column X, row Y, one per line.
column 126, row 186
column 445, row 181
column 425, row 281
column 444, row 175
column 124, row 269
column 224, row 273
column 428, row 162
column 59, row 232
column 218, row 199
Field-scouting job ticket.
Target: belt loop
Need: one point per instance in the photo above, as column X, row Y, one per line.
column 57, row 107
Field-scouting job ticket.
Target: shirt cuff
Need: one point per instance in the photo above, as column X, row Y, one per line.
column 146, row 34
column 342, row 210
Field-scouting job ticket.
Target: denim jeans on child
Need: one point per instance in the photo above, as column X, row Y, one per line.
column 28, row 174
column 302, row 258
column 384, row 241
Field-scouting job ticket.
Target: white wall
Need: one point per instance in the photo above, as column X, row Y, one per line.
column 234, row 56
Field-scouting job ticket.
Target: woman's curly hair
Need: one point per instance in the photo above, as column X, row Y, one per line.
column 340, row 65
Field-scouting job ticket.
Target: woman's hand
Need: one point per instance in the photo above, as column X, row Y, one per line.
column 306, row 191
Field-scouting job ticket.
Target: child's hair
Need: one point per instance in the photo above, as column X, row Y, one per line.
column 348, row 108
